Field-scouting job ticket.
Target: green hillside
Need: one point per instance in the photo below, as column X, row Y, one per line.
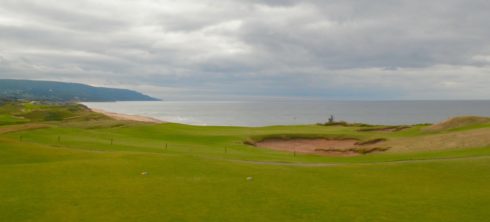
column 83, row 166
column 60, row 92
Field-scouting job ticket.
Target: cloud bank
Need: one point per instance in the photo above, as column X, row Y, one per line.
column 403, row 49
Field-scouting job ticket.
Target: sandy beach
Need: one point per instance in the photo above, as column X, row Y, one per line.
column 120, row 116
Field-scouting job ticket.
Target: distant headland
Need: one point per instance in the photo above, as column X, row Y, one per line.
column 11, row 89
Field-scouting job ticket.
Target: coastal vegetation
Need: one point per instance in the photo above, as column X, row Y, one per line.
column 64, row 162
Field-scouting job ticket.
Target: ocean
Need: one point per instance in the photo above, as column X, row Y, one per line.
column 289, row 112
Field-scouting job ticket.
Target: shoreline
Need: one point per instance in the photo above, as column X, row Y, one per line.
column 127, row 117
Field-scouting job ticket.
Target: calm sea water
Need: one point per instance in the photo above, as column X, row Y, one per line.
column 262, row 113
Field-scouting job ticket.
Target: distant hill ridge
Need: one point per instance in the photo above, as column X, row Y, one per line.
column 63, row 92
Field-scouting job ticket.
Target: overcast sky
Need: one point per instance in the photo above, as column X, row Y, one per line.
column 349, row 49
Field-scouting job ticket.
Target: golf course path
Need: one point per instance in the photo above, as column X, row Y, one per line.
column 365, row 163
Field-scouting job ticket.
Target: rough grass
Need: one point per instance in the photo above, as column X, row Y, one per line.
column 385, row 128
column 355, row 150
column 479, row 137
column 75, row 170
column 371, row 142
column 41, row 112
column 256, row 139
column 460, row 122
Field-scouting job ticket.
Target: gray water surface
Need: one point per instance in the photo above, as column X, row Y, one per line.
column 263, row 113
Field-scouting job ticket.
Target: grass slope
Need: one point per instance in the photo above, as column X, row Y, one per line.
column 90, row 169
column 461, row 122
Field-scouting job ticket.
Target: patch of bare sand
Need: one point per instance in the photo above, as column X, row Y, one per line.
column 120, row 116
column 312, row 146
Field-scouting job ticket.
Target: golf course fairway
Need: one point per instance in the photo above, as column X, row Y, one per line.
column 67, row 163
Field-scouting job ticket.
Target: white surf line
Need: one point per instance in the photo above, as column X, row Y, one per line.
column 127, row 117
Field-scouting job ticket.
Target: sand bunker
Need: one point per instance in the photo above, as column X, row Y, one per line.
column 330, row 147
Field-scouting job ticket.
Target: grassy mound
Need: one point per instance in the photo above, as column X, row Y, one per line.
column 25, row 112
column 460, row 122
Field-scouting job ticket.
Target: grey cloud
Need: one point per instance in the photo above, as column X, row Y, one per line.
column 400, row 37
column 325, row 48
column 62, row 15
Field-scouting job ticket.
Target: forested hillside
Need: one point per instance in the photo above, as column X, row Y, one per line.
column 61, row 92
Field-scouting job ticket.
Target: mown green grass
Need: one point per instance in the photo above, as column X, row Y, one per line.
column 70, row 171
column 9, row 119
